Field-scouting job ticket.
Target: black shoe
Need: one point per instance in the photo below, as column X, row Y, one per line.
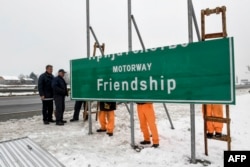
column 46, row 122
column 209, row 135
column 110, row 134
column 217, row 134
column 51, row 120
column 101, row 130
column 155, row 145
column 64, row 121
column 145, row 142
column 59, row 123
column 73, row 120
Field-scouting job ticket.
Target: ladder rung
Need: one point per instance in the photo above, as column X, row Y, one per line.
column 215, row 35
column 217, row 119
column 222, row 138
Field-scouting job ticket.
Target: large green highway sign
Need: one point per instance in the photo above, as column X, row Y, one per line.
column 200, row 72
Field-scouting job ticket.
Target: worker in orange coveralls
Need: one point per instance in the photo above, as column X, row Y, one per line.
column 107, row 117
column 147, row 118
column 214, row 110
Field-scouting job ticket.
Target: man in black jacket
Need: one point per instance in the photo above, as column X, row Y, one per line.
column 46, row 94
column 60, row 91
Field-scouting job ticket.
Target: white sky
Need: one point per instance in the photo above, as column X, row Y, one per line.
column 73, row 147
column 34, row 33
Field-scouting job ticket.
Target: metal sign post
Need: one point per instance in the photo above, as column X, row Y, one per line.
column 130, row 49
column 87, row 28
column 192, row 106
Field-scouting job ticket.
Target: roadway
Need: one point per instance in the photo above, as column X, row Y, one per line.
column 23, row 106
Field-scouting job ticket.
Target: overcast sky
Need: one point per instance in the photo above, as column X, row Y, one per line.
column 34, row 33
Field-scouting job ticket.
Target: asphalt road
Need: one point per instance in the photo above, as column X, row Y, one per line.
column 12, row 107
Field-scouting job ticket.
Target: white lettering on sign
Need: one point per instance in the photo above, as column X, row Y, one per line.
column 132, row 67
column 171, row 85
column 236, row 158
column 150, row 84
column 175, row 46
column 113, row 56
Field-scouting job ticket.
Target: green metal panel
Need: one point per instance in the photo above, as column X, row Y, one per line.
column 200, row 72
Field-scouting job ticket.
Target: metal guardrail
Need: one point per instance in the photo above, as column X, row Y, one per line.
column 17, row 90
column 20, row 90
column 242, row 86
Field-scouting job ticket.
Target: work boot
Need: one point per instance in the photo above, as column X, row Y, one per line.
column 145, row 142
column 101, row 130
column 155, row 145
column 59, row 123
column 218, row 134
column 110, row 134
column 64, row 121
column 51, row 120
column 46, row 122
column 73, row 120
column 210, row 135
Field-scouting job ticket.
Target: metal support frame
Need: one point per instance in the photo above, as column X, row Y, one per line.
column 138, row 32
column 191, row 15
column 195, row 21
column 88, row 55
column 101, row 48
column 131, row 111
column 192, row 106
column 96, row 40
column 87, row 28
column 169, row 118
column 89, row 118
column 89, row 103
column 86, row 106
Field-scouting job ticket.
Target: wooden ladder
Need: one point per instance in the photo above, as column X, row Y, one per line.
column 223, row 34
column 85, row 113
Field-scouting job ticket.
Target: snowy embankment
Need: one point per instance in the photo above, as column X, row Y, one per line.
column 73, row 146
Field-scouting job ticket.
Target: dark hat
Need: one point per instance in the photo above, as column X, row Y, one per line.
column 62, row 70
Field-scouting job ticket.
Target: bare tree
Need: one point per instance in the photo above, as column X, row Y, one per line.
column 248, row 67
column 34, row 77
column 21, row 76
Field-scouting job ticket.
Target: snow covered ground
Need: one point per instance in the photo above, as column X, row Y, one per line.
column 74, row 147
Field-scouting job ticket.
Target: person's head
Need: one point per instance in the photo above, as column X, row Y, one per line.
column 49, row 69
column 61, row 72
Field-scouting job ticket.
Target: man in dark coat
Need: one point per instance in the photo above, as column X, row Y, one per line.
column 46, row 94
column 60, row 91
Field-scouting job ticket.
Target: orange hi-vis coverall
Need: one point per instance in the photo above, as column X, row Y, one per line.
column 146, row 116
column 214, row 110
column 107, row 116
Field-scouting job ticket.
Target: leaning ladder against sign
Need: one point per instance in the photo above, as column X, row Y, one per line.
column 85, row 113
column 222, row 34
